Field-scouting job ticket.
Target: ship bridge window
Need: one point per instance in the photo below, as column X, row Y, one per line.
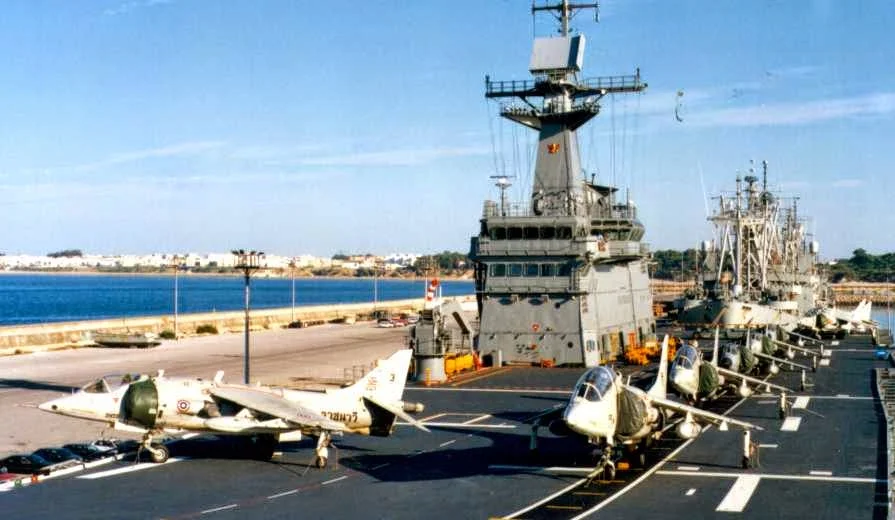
column 565, row 269
column 531, row 270
column 514, row 233
column 498, row 269
column 515, row 270
column 564, row 232
column 548, row 232
column 548, row 270
column 530, row 232
column 498, row 233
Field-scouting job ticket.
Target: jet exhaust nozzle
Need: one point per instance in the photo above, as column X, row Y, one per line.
column 687, row 429
column 413, row 407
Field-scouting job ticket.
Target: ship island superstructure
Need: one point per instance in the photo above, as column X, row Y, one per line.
column 562, row 278
column 761, row 266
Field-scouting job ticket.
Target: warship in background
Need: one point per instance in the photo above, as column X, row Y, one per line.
column 761, row 269
column 562, row 278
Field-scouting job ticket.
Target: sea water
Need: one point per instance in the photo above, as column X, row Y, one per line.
column 44, row 298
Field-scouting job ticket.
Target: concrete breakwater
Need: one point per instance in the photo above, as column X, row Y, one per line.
column 25, row 338
column 846, row 293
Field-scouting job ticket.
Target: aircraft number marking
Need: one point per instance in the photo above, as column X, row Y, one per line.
column 344, row 417
column 183, row 405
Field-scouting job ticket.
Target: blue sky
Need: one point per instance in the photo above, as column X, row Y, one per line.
column 316, row 127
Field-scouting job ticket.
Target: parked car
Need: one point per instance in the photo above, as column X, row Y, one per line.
column 61, row 457
column 385, row 324
column 90, row 452
column 26, row 464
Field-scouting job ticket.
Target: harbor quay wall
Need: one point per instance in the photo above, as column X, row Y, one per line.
column 846, row 293
column 23, row 338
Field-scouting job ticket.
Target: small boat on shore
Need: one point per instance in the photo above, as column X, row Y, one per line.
column 126, row 340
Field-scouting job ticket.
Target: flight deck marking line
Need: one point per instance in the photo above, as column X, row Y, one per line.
column 463, row 425
column 216, row 509
column 652, row 470
column 740, row 493
column 825, row 362
column 283, row 494
column 688, row 468
column 801, row 402
column 843, row 395
column 374, row 468
column 821, row 473
column 332, row 481
column 767, row 446
column 791, row 424
column 483, row 376
column 448, row 443
column 477, row 419
column 495, row 390
column 129, row 469
column 537, row 504
column 436, row 416
column 189, row 435
column 690, row 492
column 775, row 476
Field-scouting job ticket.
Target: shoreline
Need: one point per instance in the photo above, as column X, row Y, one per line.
column 263, row 275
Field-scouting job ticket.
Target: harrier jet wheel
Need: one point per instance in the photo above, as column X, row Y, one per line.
column 159, row 453
column 321, row 462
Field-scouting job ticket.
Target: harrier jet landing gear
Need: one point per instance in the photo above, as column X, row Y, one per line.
column 605, row 467
column 323, row 443
column 158, row 452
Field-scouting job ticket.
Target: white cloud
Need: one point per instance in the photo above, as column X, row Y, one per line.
column 848, row 183
column 797, row 113
column 127, row 7
column 191, row 148
column 407, row 157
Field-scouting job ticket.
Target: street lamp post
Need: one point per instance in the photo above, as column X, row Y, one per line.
column 247, row 261
column 175, row 263
column 292, row 272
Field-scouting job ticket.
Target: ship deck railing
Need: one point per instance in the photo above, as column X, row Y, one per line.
column 617, row 213
column 542, row 84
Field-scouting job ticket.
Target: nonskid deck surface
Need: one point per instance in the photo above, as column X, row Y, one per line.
column 476, row 463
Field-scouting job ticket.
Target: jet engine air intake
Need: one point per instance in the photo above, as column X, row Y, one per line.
column 139, row 406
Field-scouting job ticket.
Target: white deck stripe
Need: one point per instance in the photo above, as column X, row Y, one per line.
column 740, row 493
column 216, row 509
column 821, row 473
column 130, row 469
column 774, row 476
column 463, row 425
column 495, row 390
column 767, row 446
column 801, row 402
column 447, row 443
column 688, row 468
column 546, row 499
column 690, row 492
column 477, row 419
column 283, row 494
column 791, row 424
column 332, row 481
column 844, row 396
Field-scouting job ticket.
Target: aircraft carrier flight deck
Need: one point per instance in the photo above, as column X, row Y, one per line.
column 826, row 459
